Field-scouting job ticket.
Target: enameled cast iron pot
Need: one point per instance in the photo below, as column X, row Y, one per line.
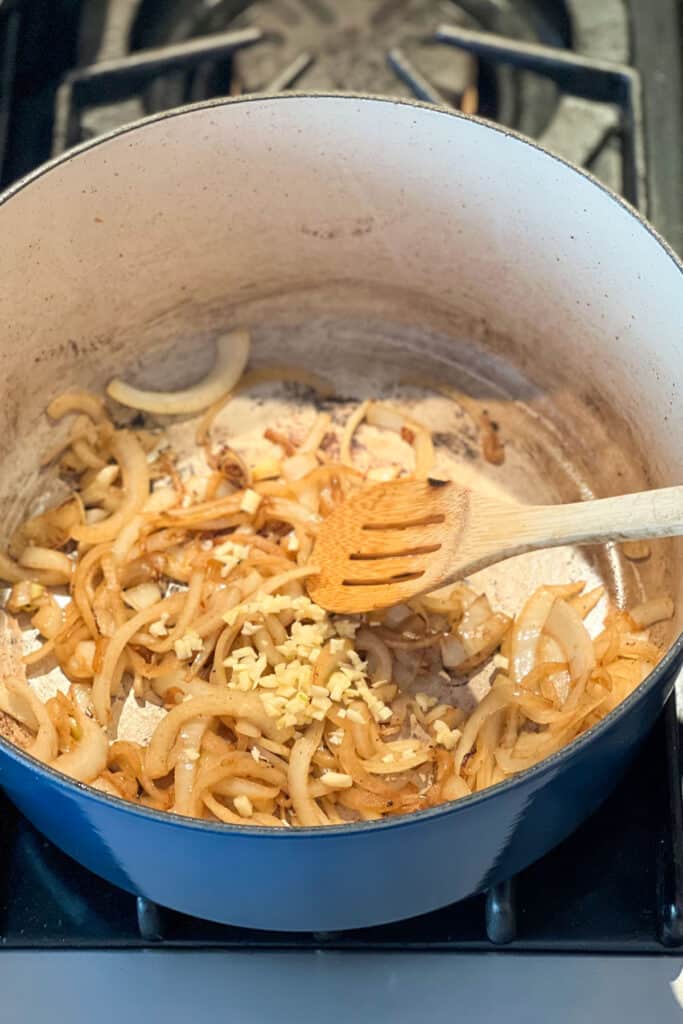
column 332, row 223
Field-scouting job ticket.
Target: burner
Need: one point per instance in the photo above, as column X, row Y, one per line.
column 377, row 46
column 143, row 56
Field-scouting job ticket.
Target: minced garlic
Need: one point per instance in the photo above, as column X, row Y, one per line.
column 243, row 806
column 187, row 645
column 25, row 596
column 355, row 716
column 336, row 780
column 158, row 628
column 346, row 628
column 425, row 702
column 267, row 469
column 288, row 690
column 446, row 737
column 230, row 555
column 292, row 541
column 250, row 502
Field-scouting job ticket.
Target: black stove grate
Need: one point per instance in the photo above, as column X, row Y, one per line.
column 63, row 79
column 599, row 81
column 567, row 72
column 9, row 37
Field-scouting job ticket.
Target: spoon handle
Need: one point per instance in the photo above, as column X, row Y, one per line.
column 627, row 517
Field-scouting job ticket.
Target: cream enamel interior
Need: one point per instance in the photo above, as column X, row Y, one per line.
column 367, row 240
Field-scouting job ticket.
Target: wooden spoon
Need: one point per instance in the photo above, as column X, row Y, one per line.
column 394, row 541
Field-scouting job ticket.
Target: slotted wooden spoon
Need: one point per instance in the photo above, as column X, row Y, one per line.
column 394, row 541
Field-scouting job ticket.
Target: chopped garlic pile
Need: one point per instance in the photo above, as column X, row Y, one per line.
column 289, row 690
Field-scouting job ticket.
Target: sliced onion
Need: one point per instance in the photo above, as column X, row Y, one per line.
column 161, row 500
column 102, row 684
column 88, row 758
column 398, row 642
column 142, row 596
column 305, row 807
column 549, row 650
column 367, row 640
column 478, row 635
column 317, row 433
column 105, row 786
column 298, row 466
column 400, row 764
column 636, row 550
column 14, row 702
column 234, row 771
column 232, row 353
column 424, row 451
column 48, row 620
column 131, row 457
column 98, row 488
column 527, row 631
column 452, row 651
column 585, row 603
column 406, row 667
column 350, row 428
column 474, row 617
column 486, row 638
column 565, row 625
column 77, row 402
column 496, row 699
column 230, row 703
column 94, row 515
column 492, row 447
column 128, row 536
column 45, row 745
column 16, row 705
column 189, row 741
column 648, row 613
column 246, row 787
column 381, row 414
column 45, row 558
column 454, row 788
column 394, row 616
column 51, row 529
column 448, row 600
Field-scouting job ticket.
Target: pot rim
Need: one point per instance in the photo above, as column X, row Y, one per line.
column 673, row 655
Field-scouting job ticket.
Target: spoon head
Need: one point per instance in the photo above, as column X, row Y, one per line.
column 388, row 544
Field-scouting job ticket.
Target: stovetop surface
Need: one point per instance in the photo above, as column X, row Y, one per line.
column 70, row 70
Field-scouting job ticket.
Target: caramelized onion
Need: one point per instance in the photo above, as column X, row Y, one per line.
column 88, row 758
column 232, row 353
column 269, row 710
column 526, row 633
column 132, row 460
column 565, row 625
column 305, row 807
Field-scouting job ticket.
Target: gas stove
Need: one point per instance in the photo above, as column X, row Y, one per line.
column 599, row 83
